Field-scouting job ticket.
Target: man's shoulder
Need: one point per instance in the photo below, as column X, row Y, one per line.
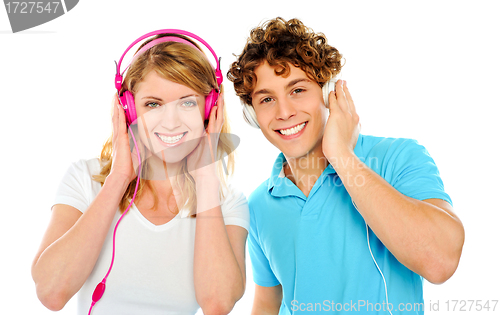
column 372, row 147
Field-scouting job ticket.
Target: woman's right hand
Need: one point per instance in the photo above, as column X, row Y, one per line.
column 124, row 162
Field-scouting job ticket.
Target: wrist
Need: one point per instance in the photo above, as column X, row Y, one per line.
column 350, row 169
column 207, row 194
column 343, row 159
column 117, row 181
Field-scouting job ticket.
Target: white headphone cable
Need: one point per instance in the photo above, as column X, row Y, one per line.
column 380, row 271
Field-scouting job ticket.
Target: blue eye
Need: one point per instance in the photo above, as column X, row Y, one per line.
column 152, row 105
column 189, row 103
column 297, row 91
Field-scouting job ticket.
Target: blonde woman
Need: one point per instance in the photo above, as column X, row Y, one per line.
column 180, row 243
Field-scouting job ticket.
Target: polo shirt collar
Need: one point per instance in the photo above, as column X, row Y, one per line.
column 280, row 186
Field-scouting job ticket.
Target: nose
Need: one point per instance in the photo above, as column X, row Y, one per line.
column 285, row 109
column 169, row 116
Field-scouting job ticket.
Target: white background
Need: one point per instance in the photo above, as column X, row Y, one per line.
column 427, row 70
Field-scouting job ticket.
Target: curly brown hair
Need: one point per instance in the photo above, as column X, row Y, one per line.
column 281, row 43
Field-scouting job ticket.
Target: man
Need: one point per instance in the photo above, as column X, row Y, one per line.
column 346, row 222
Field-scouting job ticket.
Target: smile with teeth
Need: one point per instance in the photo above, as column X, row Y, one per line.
column 170, row 140
column 292, row 131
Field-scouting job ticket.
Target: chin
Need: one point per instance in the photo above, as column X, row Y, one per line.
column 300, row 150
column 294, row 154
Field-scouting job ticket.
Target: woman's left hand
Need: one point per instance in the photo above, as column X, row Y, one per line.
column 201, row 162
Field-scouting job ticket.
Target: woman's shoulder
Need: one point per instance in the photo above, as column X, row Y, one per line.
column 83, row 169
column 235, row 207
column 77, row 187
column 87, row 166
column 232, row 194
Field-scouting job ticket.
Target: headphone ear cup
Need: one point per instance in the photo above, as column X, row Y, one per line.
column 249, row 115
column 210, row 101
column 128, row 104
column 327, row 88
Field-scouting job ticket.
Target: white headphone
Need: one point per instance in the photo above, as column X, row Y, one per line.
column 251, row 118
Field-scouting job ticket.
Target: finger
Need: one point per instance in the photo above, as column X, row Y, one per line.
column 135, row 160
column 114, row 119
column 219, row 105
column 116, row 101
column 349, row 99
column 332, row 99
column 214, row 127
column 220, row 112
column 352, row 107
column 212, row 120
column 210, row 146
column 122, row 123
column 341, row 97
column 194, row 156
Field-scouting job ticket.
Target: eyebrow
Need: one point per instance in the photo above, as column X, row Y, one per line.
column 289, row 85
column 293, row 82
column 189, row 95
column 159, row 99
column 152, row 97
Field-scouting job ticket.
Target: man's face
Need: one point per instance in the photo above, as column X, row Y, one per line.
column 290, row 111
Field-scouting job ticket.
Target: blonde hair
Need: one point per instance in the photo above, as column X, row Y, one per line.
column 183, row 64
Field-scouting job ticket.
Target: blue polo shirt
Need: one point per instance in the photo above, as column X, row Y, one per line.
column 316, row 247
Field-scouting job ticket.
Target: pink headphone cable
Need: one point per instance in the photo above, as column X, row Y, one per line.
column 101, row 286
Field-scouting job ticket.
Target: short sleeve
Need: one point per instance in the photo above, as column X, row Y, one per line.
column 235, row 208
column 262, row 272
column 415, row 174
column 75, row 187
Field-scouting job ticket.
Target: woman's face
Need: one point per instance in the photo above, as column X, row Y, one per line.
column 170, row 117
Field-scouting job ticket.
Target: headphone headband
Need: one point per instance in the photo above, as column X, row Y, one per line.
column 157, row 41
column 127, row 98
column 119, row 77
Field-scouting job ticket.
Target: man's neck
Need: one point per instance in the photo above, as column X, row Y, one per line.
column 306, row 170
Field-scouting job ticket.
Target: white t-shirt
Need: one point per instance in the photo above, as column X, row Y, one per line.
column 153, row 268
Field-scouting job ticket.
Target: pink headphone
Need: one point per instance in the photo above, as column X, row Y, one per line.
column 127, row 99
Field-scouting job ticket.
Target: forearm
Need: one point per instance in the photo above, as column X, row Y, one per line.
column 63, row 267
column 267, row 300
column 218, row 278
column 425, row 238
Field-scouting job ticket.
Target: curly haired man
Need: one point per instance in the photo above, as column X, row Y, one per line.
column 346, row 222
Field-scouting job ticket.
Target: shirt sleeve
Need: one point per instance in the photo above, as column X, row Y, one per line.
column 74, row 188
column 415, row 174
column 262, row 272
column 235, row 208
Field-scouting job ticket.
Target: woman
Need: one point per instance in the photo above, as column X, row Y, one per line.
column 180, row 247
